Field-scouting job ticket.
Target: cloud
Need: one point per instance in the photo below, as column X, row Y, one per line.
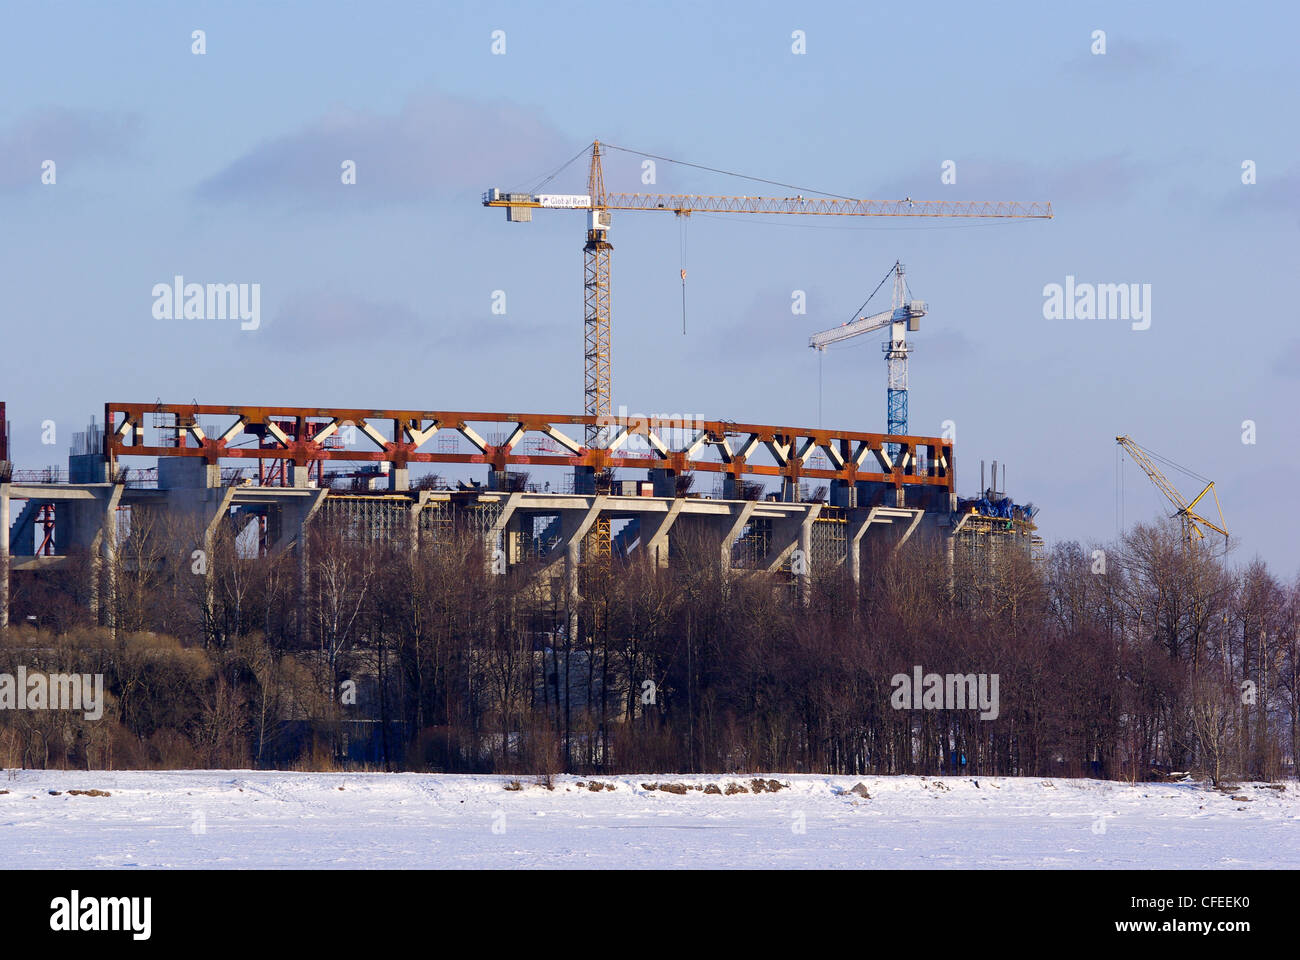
column 1125, row 60
column 765, row 326
column 952, row 345
column 1287, row 363
column 435, row 144
column 65, row 136
column 320, row 321
column 1272, row 195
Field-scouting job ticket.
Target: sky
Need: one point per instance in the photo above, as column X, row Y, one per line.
column 224, row 167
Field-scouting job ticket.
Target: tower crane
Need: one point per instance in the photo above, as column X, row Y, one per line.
column 598, row 205
column 903, row 317
column 1191, row 520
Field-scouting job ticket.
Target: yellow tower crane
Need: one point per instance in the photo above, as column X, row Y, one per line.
column 597, row 249
column 598, row 204
column 1191, row 520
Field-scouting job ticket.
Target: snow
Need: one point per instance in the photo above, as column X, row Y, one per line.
column 258, row 819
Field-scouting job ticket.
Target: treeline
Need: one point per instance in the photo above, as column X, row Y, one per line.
column 1115, row 662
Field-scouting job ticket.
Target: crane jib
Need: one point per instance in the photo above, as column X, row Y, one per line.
column 807, row 206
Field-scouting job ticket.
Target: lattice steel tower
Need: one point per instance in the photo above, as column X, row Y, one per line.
column 896, row 350
column 595, row 298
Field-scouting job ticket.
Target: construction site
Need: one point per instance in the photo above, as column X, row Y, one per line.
column 197, row 467
column 558, row 491
column 464, row 436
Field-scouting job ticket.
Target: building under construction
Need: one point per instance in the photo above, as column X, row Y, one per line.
column 795, row 502
column 267, row 471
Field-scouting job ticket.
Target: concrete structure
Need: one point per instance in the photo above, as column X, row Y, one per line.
column 45, row 525
column 547, row 532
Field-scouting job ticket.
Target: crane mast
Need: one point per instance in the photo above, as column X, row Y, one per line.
column 896, row 351
column 904, row 316
column 595, row 300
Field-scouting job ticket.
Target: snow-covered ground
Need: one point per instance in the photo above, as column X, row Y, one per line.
column 205, row 818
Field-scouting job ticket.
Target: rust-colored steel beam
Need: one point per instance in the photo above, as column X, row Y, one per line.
column 308, row 435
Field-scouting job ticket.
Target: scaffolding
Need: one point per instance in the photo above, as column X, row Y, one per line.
column 436, row 523
column 753, row 544
column 363, row 519
column 830, row 538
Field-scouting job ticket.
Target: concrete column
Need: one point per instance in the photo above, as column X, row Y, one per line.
column 297, row 523
column 496, row 537
column 512, row 537
column 574, row 526
column 952, row 558
column 302, row 556
column 300, row 474
column 187, row 473
column 96, row 568
column 4, row 555
column 655, row 533
column 571, row 597
column 217, row 504
column 853, row 554
column 198, row 502
column 413, row 530
column 789, row 534
column 87, row 468
column 952, row 561
column 917, row 516
column 804, row 579
column 734, row 526
column 785, row 538
column 854, row 547
column 665, row 482
column 399, row 478
column 108, row 559
column 844, row 494
column 294, row 512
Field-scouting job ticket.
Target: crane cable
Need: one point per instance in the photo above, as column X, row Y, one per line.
column 1119, row 490
column 1170, row 463
column 560, row 169
column 730, row 173
column 858, row 312
column 1154, row 456
column 685, row 163
column 793, row 186
column 682, row 233
column 820, row 355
